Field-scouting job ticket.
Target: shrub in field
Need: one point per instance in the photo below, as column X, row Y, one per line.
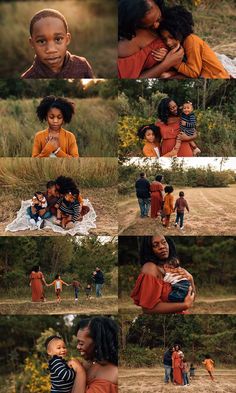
column 135, row 356
column 34, row 377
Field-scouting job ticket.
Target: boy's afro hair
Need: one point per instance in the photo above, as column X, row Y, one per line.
column 178, row 22
column 45, row 13
column 49, row 102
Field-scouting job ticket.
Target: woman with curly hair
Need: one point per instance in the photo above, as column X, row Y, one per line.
column 55, row 141
column 199, row 60
column 151, row 290
column 169, row 125
column 138, row 21
column 98, row 345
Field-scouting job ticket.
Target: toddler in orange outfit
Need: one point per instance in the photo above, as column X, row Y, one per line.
column 209, row 365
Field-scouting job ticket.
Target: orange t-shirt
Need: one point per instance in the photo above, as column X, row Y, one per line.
column 151, row 149
column 132, row 66
column 209, row 364
column 201, row 60
column 67, row 143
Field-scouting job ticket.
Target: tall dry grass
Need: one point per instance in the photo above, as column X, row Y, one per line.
column 94, row 126
column 23, row 176
column 92, row 24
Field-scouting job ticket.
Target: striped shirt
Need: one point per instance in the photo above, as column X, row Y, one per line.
column 190, row 127
column 62, row 376
column 71, row 208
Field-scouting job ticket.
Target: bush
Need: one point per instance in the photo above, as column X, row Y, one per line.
column 135, row 356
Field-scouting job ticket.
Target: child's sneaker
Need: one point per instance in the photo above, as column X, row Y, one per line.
column 32, row 221
column 181, row 228
column 175, row 224
column 41, row 224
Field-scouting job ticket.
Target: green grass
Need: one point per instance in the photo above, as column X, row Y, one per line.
column 94, row 126
column 92, row 24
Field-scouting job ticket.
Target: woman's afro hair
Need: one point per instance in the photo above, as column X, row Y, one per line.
column 178, row 22
column 66, row 107
column 130, row 14
column 142, row 131
column 146, row 253
column 66, row 184
column 104, row 332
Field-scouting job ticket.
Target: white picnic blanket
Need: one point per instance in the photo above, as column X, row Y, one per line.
column 229, row 64
column 22, row 222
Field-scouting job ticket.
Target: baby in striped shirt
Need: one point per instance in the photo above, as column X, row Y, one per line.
column 61, row 374
column 188, row 127
column 69, row 211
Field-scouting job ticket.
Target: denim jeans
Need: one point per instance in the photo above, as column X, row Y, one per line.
column 185, row 378
column 36, row 215
column 98, row 289
column 180, row 217
column 167, row 373
column 179, row 291
column 144, row 204
column 76, row 290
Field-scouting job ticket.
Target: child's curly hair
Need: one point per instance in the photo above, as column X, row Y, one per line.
column 142, row 131
column 178, row 22
column 66, row 107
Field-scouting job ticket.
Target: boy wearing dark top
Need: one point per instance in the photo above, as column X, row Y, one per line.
column 76, row 285
column 49, row 38
column 62, row 376
column 142, row 186
column 167, row 361
column 180, row 205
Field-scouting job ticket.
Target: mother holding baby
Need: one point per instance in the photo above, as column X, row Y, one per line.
column 155, row 289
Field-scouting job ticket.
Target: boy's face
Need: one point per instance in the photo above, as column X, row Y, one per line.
column 169, row 40
column 50, row 40
column 53, row 191
column 187, row 109
column 57, row 347
column 150, row 136
column 54, row 119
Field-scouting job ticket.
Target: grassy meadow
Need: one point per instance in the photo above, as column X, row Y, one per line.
column 92, row 24
column 96, row 178
column 94, row 126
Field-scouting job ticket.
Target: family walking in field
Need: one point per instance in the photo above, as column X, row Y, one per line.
column 37, row 283
column 161, row 201
column 98, row 346
column 174, row 132
column 156, row 41
column 177, row 369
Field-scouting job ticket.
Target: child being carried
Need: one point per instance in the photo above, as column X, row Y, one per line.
column 180, row 285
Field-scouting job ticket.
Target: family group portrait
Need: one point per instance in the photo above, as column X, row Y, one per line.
column 47, row 40
column 176, row 39
column 173, row 274
column 58, row 118
column 178, row 196
column 73, row 353
column 58, row 197
column 176, row 353
column 51, row 275
column 186, row 118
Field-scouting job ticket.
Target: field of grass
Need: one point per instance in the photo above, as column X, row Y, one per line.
column 94, row 126
column 96, row 177
column 212, row 212
column 92, row 24
column 150, row 380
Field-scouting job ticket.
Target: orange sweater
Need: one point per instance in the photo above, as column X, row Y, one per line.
column 67, row 144
column 209, row 364
column 149, row 149
column 60, row 282
column 168, row 204
column 201, row 60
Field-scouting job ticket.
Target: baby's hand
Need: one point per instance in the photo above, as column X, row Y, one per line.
column 183, row 123
column 75, row 364
column 159, row 54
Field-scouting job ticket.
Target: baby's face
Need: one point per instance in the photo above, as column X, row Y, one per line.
column 69, row 197
column 57, row 347
column 40, row 197
column 169, row 40
column 149, row 135
column 187, row 109
column 49, row 41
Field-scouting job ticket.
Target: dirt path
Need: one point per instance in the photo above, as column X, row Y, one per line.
column 107, row 304
column 150, row 380
column 226, row 305
column 212, row 212
column 104, row 201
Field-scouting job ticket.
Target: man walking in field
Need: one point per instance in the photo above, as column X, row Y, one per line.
column 142, row 186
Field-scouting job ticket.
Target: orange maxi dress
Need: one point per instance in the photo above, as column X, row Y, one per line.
column 149, row 291
column 156, row 198
column 98, row 385
column 169, row 134
column 132, row 66
column 37, row 286
column 177, row 372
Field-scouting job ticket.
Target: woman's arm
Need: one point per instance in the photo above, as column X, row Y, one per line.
column 80, row 379
column 171, row 59
column 185, row 138
column 167, row 308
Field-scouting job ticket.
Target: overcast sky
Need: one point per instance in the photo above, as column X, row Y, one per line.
column 195, row 162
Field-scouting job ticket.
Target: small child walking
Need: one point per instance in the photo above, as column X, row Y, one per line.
column 88, row 291
column 168, row 207
column 185, row 370
column 76, row 285
column 180, row 205
column 58, row 283
column 62, row 375
column 192, row 371
column 209, row 365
